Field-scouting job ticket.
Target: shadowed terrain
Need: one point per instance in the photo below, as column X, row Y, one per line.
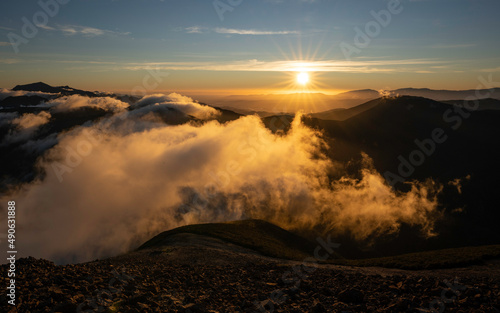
column 209, row 268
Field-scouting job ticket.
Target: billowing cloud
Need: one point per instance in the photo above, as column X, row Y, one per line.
column 179, row 102
column 31, row 120
column 111, row 186
column 76, row 101
column 7, row 117
column 25, row 126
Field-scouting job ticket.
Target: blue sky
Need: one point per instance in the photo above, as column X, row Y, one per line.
column 111, row 44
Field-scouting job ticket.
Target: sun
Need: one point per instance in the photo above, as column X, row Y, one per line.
column 303, row 78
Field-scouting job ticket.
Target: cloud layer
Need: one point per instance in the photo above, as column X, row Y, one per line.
column 76, row 101
column 4, row 93
column 24, row 126
column 178, row 102
column 111, row 186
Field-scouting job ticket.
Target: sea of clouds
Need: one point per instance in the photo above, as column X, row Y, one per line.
column 111, row 185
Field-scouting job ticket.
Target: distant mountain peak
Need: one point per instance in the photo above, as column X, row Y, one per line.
column 38, row 86
column 43, row 87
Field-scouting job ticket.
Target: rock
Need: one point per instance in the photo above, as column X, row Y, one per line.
column 318, row 308
column 66, row 307
column 192, row 308
column 351, row 296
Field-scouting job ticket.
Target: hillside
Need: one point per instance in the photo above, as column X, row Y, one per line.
column 257, row 235
column 388, row 132
column 483, row 104
column 63, row 90
column 190, row 269
column 344, row 114
column 270, row 240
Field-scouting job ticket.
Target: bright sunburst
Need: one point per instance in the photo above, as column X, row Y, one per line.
column 303, row 78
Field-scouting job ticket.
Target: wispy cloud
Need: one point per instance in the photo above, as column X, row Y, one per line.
column 255, row 65
column 10, row 61
column 373, row 66
column 489, row 70
column 82, row 30
column 233, row 31
column 455, row 46
column 6, row 28
column 194, row 30
column 4, row 44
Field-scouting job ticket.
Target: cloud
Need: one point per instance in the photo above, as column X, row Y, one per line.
column 176, row 101
column 362, row 66
column 6, row 118
column 194, row 30
column 25, row 126
column 31, row 120
column 10, row 61
column 254, row 32
column 76, row 101
column 112, row 185
column 453, row 46
column 4, row 93
column 489, row 70
column 85, row 31
column 4, row 44
column 234, row 31
column 39, row 145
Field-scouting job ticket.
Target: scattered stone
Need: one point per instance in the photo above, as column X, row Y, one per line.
column 351, row 296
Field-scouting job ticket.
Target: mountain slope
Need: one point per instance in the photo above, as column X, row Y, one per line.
column 483, row 104
column 343, row 114
column 64, row 90
column 17, row 102
column 447, row 94
column 257, row 235
column 398, row 134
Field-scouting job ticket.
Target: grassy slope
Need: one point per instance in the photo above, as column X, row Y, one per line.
column 273, row 241
column 263, row 237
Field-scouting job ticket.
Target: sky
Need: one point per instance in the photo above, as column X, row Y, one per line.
column 249, row 46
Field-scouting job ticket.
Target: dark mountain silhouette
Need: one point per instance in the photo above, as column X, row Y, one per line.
column 257, row 235
column 482, row 104
column 63, row 90
column 447, row 94
column 315, row 103
column 359, row 94
column 343, row 114
column 388, row 131
column 16, row 102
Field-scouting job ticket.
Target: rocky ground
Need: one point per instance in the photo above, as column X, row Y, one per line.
column 201, row 274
